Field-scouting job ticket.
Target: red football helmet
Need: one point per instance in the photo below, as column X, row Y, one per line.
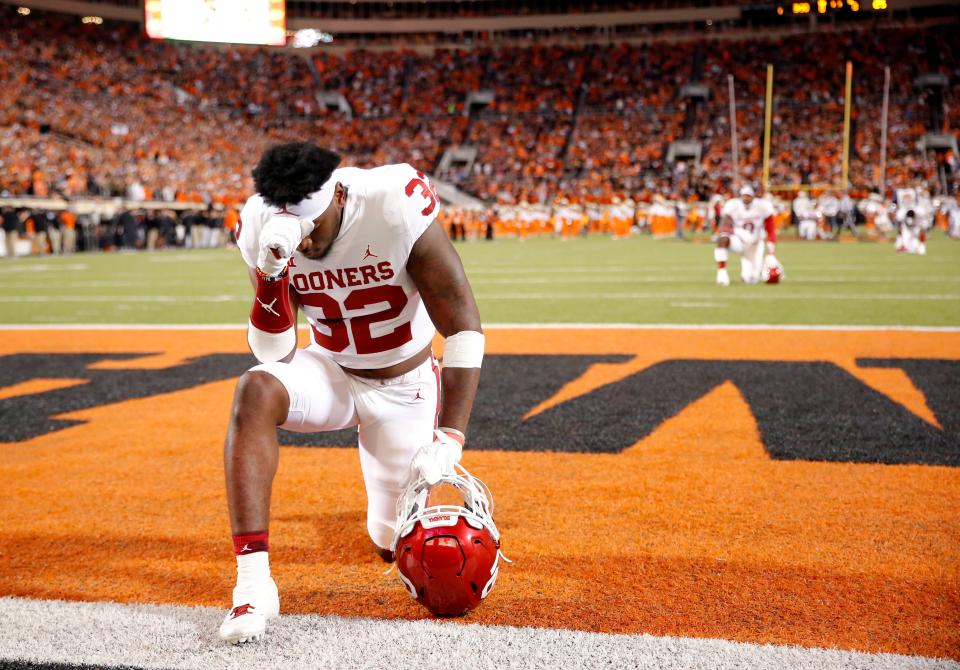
column 447, row 555
column 772, row 271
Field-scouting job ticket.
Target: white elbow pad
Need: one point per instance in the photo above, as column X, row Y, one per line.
column 463, row 350
column 270, row 347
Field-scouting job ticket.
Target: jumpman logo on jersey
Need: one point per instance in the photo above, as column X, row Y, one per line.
column 418, row 397
column 269, row 307
column 368, row 254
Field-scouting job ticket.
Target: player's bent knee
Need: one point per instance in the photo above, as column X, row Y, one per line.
column 723, row 242
column 260, row 394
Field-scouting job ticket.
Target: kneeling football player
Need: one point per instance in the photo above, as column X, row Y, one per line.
column 746, row 228
column 360, row 253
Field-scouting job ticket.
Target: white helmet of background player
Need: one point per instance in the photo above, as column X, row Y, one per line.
column 746, row 191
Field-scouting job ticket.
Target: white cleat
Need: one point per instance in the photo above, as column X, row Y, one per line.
column 243, row 624
column 253, row 608
column 723, row 279
column 922, row 249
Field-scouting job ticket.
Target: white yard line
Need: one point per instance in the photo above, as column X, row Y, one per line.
column 772, row 295
column 623, row 279
column 146, row 636
column 509, row 326
column 222, row 297
column 557, row 295
column 42, row 267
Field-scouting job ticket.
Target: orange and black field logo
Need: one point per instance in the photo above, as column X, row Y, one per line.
column 794, row 487
column 814, row 410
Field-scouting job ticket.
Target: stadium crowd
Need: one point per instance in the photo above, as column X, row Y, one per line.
column 102, row 111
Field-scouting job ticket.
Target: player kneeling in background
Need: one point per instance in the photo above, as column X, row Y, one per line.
column 360, row 253
column 912, row 235
column 805, row 210
column 743, row 223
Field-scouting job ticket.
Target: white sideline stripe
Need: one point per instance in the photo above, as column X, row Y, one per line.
column 508, row 326
column 544, row 281
column 151, row 636
column 639, row 295
column 718, row 326
column 634, row 295
column 220, row 297
column 595, row 278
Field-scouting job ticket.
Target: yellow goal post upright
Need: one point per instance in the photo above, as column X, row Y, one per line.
column 845, row 159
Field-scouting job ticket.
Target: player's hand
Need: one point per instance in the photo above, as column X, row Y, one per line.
column 436, row 459
column 280, row 237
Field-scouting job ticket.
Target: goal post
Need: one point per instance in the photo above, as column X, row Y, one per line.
column 845, row 150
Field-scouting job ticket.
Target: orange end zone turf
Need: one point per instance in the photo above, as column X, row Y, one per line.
column 693, row 531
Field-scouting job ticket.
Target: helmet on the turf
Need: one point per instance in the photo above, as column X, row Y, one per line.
column 447, row 555
column 772, row 271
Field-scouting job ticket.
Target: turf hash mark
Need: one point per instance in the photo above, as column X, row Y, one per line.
column 697, row 522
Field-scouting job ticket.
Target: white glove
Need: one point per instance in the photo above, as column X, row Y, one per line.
column 436, row 459
column 280, row 237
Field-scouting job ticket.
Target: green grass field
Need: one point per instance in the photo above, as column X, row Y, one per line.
column 639, row 280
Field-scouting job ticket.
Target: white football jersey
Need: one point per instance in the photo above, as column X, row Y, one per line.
column 363, row 308
column 748, row 219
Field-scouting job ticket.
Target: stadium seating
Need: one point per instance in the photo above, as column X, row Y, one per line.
column 581, row 121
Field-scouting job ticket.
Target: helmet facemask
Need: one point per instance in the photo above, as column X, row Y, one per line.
column 447, row 554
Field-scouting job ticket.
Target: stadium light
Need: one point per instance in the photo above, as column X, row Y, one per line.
column 308, row 37
column 95, row 20
column 23, row 11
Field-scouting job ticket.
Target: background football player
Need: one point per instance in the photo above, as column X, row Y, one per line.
column 913, row 218
column 952, row 206
column 805, row 210
column 360, row 253
column 911, row 233
column 746, row 228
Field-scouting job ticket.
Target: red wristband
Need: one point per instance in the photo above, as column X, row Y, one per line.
column 271, row 310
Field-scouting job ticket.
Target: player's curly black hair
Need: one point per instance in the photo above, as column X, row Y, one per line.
column 288, row 173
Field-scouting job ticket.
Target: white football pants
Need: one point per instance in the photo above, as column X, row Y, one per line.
column 910, row 239
column 396, row 417
column 751, row 257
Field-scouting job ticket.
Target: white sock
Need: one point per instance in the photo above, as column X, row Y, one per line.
column 720, row 255
column 253, row 569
